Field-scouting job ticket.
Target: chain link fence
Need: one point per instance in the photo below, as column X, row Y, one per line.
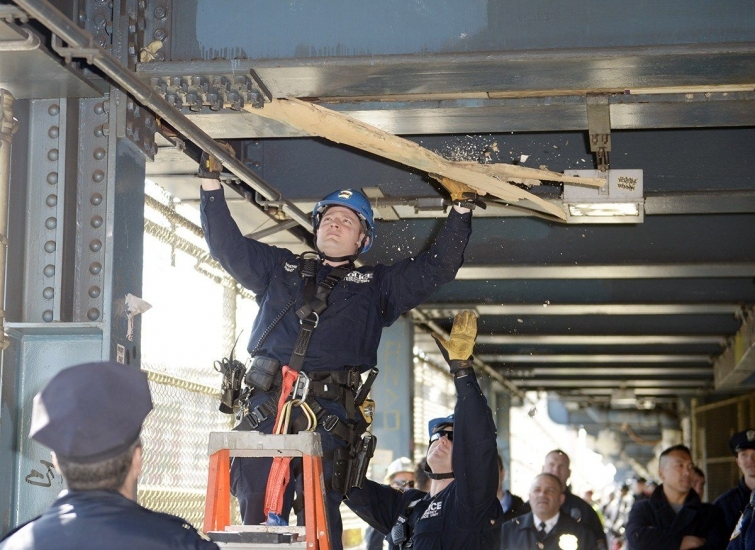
column 195, row 310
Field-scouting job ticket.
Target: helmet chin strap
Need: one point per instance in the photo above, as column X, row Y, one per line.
column 431, row 475
column 336, row 259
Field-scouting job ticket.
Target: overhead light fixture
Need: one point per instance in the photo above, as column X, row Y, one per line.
column 623, row 397
column 620, row 200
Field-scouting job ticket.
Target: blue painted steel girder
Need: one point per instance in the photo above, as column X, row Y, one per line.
column 208, row 29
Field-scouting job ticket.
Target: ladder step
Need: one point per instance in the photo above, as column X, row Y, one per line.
column 258, row 537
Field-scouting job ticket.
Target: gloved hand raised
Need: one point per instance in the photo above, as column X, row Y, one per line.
column 457, row 350
column 461, row 194
column 210, row 166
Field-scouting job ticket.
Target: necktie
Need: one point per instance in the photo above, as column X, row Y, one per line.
column 541, row 531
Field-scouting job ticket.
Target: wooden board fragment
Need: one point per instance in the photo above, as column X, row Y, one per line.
column 340, row 128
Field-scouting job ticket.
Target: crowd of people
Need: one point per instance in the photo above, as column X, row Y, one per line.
column 91, row 416
column 639, row 515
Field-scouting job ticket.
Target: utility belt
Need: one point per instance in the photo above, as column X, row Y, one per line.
column 343, row 386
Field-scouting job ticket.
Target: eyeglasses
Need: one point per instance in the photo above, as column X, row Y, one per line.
column 402, row 483
column 443, row 433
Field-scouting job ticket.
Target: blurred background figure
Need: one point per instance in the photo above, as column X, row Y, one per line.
column 698, row 482
column 616, row 516
column 400, row 476
column 639, row 489
column 421, row 479
column 512, row 504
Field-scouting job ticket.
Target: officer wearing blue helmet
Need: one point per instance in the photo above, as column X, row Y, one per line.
column 341, row 341
column 461, row 510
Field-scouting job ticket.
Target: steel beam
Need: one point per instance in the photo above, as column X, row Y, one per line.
column 596, row 358
column 593, row 339
column 669, row 385
column 670, row 271
column 444, row 311
column 669, row 395
column 78, row 39
column 582, row 373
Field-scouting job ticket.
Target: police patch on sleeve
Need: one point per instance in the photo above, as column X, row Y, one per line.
column 357, row 277
column 738, row 527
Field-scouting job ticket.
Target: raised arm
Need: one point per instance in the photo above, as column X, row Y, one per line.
column 246, row 260
column 475, row 460
column 408, row 283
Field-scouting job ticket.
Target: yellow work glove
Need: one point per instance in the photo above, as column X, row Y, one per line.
column 458, row 348
column 210, row 166
column 461, row 194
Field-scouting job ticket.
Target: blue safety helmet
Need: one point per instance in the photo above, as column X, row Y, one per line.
column 353, row 200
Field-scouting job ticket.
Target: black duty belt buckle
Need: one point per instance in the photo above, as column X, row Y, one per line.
column 354, row 379
column 256, row 417
column 330, row 422
column 300, row 391
column 313, row 323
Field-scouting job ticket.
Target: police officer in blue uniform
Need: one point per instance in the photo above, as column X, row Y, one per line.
column 557, row 462
column 743, row 536
column 91, row 416
column 733, row 501
column 345, row 340
column 546, row 527
column 461, row 511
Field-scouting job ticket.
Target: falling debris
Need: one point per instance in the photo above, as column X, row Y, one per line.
column 523, row 158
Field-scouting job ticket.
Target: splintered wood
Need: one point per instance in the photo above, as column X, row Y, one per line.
column 492, row 179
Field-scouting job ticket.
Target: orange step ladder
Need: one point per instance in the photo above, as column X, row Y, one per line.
column 217, row 516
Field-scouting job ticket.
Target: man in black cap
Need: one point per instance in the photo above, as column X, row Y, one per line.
column 461, row 510
column 733, row 501
column 91, row 416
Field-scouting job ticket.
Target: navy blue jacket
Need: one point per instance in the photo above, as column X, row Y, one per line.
column 513, row 506
column 732, row 502
column 743, row 537
column 653, row 524
column 521, row 534
column 82, row 520
column 364, row 302
column 466, row 515
column 579, row 510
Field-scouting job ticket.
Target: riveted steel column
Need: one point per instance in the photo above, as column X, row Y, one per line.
column 47, row 148
column 92, row 212
column 124, row 250
column 76, row 247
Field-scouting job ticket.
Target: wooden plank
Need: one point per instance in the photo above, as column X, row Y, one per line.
column 484, row 178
